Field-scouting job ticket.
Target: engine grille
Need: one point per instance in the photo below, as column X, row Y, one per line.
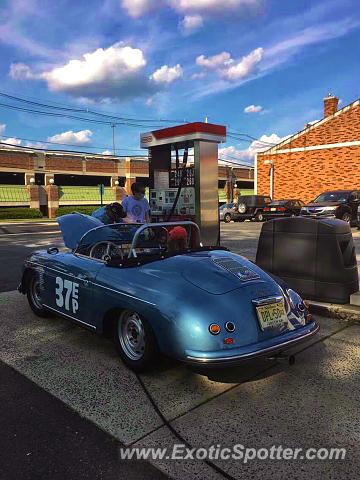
column 243, row 273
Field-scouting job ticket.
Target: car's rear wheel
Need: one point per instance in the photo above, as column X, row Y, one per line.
column 259, row 217
column 34, row 297
column 346, row 217
column 135, row 341
column 227, row 218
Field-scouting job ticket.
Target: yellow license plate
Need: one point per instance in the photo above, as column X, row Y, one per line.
column 273, row 209
column 272, row 315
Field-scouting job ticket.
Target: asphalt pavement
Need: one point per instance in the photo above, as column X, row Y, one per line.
column 17, row 241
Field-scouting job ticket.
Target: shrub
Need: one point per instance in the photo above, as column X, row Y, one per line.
column 9, row 213
column 86, row 209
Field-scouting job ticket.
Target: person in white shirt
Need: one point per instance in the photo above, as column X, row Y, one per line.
column 136, row 206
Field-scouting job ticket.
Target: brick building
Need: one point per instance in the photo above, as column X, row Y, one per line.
column 323, row 156
column 49, row 179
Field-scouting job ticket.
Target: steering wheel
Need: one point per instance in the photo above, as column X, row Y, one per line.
column 101, row 250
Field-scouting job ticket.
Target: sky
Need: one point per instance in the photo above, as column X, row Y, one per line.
column 260, row 67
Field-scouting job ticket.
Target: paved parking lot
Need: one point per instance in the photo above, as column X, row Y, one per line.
column 311, row 404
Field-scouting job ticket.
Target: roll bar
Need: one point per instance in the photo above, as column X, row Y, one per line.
column 160, row 224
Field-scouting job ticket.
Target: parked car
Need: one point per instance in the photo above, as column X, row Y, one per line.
column 283, row 208
column 248, row 207
column 227, row 212
column 156, row 300
column 342, row 204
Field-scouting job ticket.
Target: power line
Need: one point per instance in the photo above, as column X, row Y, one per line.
column 73, row 117
column 23, row 147
column 239, row 134
column 65, row 144
column 238, row 164
column 84, row 110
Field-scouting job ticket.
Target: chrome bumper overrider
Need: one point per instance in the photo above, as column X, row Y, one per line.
column 242, row 357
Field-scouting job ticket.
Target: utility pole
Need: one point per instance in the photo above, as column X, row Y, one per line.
column 113, row 138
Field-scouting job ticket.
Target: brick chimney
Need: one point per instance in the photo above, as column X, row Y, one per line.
column 330, row 105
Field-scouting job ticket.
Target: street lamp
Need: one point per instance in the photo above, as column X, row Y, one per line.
column 272, row 169
column 116, row 183
column 51, row 181
column 32, row 180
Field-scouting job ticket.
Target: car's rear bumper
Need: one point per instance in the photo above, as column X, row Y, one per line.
column 318, row 215
column 266, row 348
column 271, row 216
column 243, row 216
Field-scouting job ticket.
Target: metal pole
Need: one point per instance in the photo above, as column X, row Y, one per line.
column 113, row 138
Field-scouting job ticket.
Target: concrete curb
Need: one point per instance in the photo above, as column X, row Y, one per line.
column 347, row 312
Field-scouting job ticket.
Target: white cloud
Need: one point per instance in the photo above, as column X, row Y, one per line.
column 245, row 67
column 212, row 6
column 233, row 154
column 20, row 71
column 14, row 142
column 137, row 8
column 74, row 138
column 247, row 155
column 198, row 76
column 216, row 61
column 116, row 71
column 113, row 68
column 106, row 152
column 2, row 128
column 167, row 74
column 229, row 69
column 35, row 145
column 191, row 23
column 253, row 109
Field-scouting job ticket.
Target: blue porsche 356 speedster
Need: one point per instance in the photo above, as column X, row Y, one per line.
column 158, row 290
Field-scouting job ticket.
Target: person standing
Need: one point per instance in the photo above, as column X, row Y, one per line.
column 136, row 206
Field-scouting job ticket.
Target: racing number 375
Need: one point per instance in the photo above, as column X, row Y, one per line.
column 67, row 294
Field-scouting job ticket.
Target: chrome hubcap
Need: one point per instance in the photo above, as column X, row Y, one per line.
column 35, row 293
column 132, row 335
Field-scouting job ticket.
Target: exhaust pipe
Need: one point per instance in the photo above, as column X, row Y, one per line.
column 280, row 357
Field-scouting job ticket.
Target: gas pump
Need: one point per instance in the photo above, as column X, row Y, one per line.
column 185, row 190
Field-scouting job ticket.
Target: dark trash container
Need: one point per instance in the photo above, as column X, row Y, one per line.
column 315, row 257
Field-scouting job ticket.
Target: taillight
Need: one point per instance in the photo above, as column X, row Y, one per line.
column 214, row 328
column 281, row 209
column 266, row 209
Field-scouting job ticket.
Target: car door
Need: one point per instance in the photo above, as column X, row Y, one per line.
column 69, row 286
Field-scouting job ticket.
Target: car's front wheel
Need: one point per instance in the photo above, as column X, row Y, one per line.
column 346, row 217
column 34, row 297
column 227, row 218
column 135, row 341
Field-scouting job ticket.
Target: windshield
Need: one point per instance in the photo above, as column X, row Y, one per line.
column 279, row 203
column 227, row 205
column 332, row 197
column 119, row 234
column 136, row 240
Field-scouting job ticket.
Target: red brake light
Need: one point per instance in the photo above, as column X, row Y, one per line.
column 281, row 209
column 266, row 209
